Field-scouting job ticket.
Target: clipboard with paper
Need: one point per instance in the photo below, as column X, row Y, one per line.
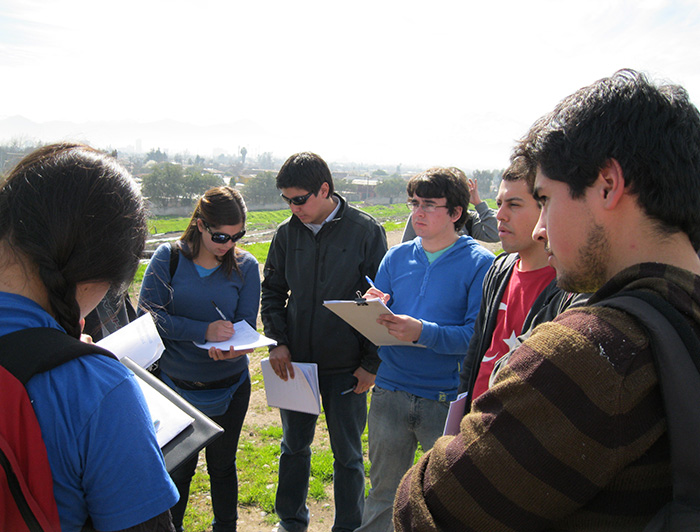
column 181, row 429
column 362, row 315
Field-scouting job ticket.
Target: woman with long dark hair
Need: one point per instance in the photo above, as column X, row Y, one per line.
column 72, row 227
column 213, row 286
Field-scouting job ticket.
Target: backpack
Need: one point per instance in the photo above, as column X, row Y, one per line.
column 676, row 351
column 26, row 487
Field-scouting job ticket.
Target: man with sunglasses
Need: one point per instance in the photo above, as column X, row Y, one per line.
column 432, row 284
column 323, row 251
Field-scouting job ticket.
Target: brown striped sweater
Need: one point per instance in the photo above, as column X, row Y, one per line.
column 572, row 436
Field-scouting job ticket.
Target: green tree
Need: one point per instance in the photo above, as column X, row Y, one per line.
column 262, row 189
column 392, row 187
column 157, row 156
column 265, row 160
column 165, row 183
column 197, row 182
column 487, row 179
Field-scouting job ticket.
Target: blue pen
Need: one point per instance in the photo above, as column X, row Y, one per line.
column 371, row 283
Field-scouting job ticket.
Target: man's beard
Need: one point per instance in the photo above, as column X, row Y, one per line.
column 590, row 273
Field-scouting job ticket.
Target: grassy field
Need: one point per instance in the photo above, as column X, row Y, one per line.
column 392, row 218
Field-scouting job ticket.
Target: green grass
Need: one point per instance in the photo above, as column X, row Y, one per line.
column 260, row 220
column 258, row 249
column 167, row 224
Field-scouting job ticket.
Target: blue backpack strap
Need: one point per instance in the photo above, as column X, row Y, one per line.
column 27, row 352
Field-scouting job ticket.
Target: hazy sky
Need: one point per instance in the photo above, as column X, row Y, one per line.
column 417, row 83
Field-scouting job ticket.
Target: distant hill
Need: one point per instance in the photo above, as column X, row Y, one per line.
column 130, row 136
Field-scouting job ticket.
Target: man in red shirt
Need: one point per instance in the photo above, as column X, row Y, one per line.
column 518, row 287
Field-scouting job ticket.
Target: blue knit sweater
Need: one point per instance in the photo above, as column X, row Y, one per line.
column 182, row 309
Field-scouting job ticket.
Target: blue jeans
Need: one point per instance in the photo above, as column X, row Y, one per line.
column 221, row 465
column 346, row 416
column 398, row 421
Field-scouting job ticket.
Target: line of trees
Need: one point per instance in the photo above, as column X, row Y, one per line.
column 168, row 183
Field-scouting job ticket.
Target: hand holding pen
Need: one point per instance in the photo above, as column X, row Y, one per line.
column 219, row 330
column 374, row 292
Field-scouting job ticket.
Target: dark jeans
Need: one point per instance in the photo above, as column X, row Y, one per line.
column 221, row 465
column 346, row 416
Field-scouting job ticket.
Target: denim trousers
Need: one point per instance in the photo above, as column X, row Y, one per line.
column 221, row 465
column 346, row 416
column 398, row 421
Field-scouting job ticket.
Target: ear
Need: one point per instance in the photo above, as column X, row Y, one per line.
column 611, row 184
column 457, row 213
column 200, row 225
column 323, row 191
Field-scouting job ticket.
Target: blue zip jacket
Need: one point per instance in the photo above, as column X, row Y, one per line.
column 445, row 296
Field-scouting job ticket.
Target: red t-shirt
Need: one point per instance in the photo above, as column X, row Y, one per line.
column 519, row 296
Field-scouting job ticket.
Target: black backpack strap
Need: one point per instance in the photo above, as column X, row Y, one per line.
column 676, row 351
column 27, row 352
column 174, row 257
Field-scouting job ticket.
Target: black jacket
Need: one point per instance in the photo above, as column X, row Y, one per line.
column 551, row 302
column 302, row 270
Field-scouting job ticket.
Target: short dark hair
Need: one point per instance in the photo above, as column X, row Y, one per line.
column 440, row 182
column 521, row 169
column 652, row 130
column 305, row 170
column 218, row 206
column 77, row 216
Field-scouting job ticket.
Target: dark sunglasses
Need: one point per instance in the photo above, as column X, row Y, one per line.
column 222, row 238
column 297, row 200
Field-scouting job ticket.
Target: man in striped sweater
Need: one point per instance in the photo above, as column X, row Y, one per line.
column 572, row 435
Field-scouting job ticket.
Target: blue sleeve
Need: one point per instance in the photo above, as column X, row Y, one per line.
column 455, row 339
column 249, row 294
column 156, row 296
column 124, row 478
column 382, row 280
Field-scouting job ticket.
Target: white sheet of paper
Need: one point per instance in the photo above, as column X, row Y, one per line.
column 300, row 393
column 244, row 337
column 168, row 419
column 455, row 415
column 139, row 340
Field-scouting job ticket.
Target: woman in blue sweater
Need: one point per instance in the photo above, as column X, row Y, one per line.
column 213, row 286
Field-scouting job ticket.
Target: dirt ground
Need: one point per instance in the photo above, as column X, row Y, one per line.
column 253, row 519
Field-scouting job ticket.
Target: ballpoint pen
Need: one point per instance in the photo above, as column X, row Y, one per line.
column 371, row 283
column 219, row 311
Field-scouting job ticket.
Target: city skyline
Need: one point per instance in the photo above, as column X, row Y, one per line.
column 380, row 82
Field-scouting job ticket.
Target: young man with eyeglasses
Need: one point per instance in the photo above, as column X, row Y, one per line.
column 433, row 286
column 323, row 251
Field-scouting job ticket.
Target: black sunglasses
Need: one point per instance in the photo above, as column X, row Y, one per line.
column 222, row 238
column 297, row 200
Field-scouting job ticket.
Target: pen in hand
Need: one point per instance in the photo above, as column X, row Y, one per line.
column 219, row 311
column 371, row 283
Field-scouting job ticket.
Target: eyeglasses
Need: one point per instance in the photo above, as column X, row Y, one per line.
column 222, row 238
column 297, row 200
column 425, row 207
